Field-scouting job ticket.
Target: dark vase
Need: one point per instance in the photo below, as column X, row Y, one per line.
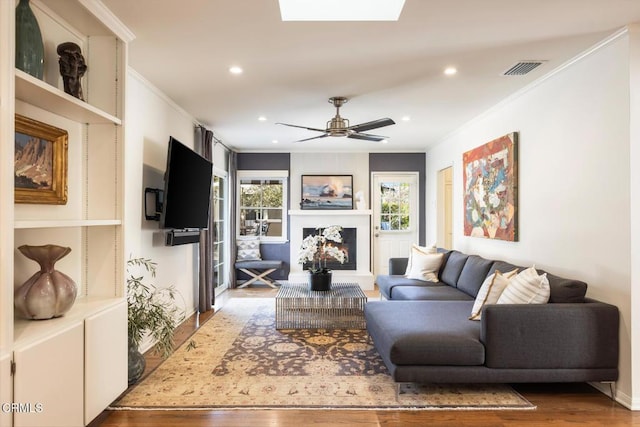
column 136, row 364
column 320, row 281
column 29, row 45
column 48, row 293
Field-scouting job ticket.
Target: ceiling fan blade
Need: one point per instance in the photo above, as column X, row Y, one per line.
column 315, row 137
column 302, row 127
column 367, row 136
column 372, row 125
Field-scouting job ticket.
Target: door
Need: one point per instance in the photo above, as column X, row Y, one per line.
column 105, row 355
column 219, row 233
column 6, row 386
column 49, row 379
column 395, row 217
column 445, row 208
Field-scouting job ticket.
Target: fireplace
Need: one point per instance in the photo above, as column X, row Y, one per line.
column 301, row 221
column 348, row 246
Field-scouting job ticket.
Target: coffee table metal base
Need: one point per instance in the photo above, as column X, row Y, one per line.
column 342, row 307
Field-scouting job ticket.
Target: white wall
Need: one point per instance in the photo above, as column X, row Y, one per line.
column 574, row 180
column 151, row 119
column 634, row 159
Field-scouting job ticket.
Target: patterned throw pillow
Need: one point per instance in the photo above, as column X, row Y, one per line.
column 249, row 250
column 490, row 291
column 528, row 287
column 421, row 250
column 425, row 266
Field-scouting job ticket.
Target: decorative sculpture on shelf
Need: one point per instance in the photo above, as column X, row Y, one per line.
column 48, row 293
column 72, row 68
column 360, row 203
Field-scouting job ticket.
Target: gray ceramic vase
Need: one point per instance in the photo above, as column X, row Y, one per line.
column 48, row 293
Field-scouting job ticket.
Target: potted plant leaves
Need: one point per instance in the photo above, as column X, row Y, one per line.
column 151, row 311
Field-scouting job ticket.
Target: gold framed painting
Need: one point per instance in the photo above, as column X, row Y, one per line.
column 40, row 162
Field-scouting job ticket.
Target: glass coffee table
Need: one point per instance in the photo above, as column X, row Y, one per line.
column 342, row 307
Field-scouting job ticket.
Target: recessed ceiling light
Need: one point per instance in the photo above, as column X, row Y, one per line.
column 275, row 141
column 450, row 71
column 235, row 70
column 340, row 10
column 262, row 118
column 406, row 118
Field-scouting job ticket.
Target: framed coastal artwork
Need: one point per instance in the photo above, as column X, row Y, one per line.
column 40, row 162
column 327, row 192
column 491, row 189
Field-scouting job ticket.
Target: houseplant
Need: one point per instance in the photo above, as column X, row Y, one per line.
column 317, row 249
column 151, row 311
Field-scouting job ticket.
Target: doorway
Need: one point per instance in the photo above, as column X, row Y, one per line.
column 444, row 204
column 395, row 217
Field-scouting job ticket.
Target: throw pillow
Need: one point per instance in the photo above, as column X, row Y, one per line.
column 425, row 266
column 490, row 291
column 249, row 250
column 528, row 287
column 421, row 249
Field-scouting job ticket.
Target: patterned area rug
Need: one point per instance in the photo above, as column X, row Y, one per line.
column 242, row 361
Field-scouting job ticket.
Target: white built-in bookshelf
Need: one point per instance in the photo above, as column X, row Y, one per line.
column 74, row 365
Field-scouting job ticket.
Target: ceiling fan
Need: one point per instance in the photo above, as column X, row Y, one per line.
column 339, row 126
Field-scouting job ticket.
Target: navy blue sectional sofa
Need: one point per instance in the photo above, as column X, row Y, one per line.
column 423, row 332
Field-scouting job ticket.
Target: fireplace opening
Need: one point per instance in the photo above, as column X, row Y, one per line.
column 348, row 246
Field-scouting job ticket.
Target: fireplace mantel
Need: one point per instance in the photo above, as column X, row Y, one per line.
column 356, row 218
column 337, row 212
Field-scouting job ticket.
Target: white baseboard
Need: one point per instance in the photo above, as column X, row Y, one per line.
column 620, row 397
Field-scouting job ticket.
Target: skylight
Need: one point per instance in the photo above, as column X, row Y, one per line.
column 341, row 10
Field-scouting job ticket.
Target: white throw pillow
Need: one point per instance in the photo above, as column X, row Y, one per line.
column 490, row 291
column 528, row 287
column 425, row 266
column 249, row 249
column 421, row 249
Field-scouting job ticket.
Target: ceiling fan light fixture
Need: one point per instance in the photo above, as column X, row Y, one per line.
column 339, row 126
column 341, row 10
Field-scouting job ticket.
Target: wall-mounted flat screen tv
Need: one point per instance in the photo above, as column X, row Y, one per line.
column 187, row 188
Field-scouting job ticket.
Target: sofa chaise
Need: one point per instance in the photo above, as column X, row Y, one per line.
column 423, row 332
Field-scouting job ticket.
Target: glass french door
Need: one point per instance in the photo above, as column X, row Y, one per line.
column 395, row 217
column 220, row 233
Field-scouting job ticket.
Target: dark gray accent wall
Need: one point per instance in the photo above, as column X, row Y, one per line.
column 264, row 161
column 269, row 161
column 404, row 162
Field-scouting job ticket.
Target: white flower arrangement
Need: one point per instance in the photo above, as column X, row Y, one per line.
column 316, row 248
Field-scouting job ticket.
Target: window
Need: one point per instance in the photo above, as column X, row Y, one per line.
column 395, row 206
column 262, row 200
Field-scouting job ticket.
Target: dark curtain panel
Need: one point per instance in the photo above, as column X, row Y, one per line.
column 206, row 295
column 233, row 166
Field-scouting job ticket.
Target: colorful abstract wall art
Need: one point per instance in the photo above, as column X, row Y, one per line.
column 491, row 189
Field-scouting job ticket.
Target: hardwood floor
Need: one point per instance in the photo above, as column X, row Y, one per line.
column 558, row 404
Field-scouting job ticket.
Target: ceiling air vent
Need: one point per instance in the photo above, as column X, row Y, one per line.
column 522, row 68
